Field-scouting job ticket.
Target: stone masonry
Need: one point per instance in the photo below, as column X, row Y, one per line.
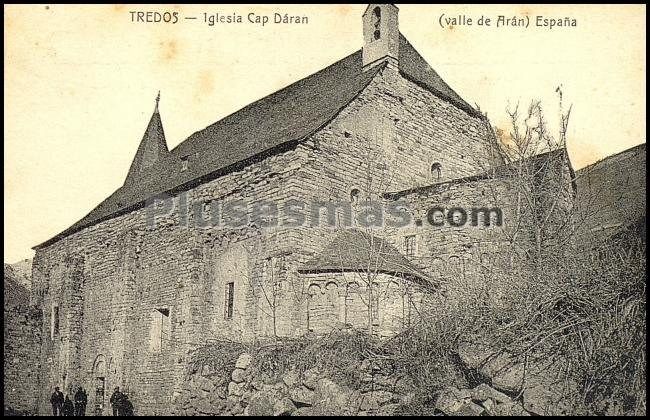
column 124, row 302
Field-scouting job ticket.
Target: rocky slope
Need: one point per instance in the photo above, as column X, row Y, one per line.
column 17, row 282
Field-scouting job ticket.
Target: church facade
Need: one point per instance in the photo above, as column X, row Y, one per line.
column 125, row 299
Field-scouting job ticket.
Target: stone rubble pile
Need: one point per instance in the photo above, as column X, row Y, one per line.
column 378, row 391
column 481, row 401
column 542, row 386
column 311, row 393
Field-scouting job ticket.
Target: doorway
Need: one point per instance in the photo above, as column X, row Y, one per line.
column 99, row 378
column 100, row 386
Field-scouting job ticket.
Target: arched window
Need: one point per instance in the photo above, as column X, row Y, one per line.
column 376, row 13
column 436, row 171
column 354, row 196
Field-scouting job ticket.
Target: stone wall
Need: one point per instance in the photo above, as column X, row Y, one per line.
column 342, row 300
column 114, row 282
column 465, row 250
column 385, row 140
column 22, row 341
column 109, row 280
column 247, row 392
column 245, row 389
column 612, row 192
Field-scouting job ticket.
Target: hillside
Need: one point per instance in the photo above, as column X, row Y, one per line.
column 17, row 282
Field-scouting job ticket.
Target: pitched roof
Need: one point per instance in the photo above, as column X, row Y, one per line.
column 415, row 68
column 612, row 192
column 272, row 124
column 153, row 147
column 536, row 163
column 357, row 251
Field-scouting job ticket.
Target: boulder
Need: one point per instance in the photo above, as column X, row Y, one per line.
column 220, row 392
column 367, row 377
column 207, row 370
column 218, row 399
column 243, row 361
column 218, row 379
column 451, row 400
column 246, row 396
column 205, row 384
column 290, row 378
column 204, row 406
column 509, row 409
column 508, row 377
column 489, row 405
column 303, row 411
column 470, row 409
column 260, row 405
column 235, row 389
column 332, row 392
column 236, row 410
column 310, row 378
column 544, row 400
column 257, row 385
column 483, row 392
column 302, row 396
column 335, row 399
column 283, row 407
column 238, row 375
column 473, row 355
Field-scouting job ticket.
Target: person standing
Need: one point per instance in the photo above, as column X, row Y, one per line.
column 80, row 401
column 57, row 402
column 117, row 399
column 127, row 409
column 68, row 407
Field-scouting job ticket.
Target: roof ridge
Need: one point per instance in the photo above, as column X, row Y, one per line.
column 617, row 154
column 425, row 75
column 255, row 102
column 319, row 97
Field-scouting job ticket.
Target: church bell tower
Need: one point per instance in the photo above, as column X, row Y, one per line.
column 380, row 35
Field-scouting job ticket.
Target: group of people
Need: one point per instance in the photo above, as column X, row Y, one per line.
column 65, row 407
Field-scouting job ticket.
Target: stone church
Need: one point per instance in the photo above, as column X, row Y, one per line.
column 125, row 299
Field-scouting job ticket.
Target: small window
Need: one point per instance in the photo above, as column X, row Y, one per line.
column 160, row 333
column 354, row 196
column 230, row 300
column 436, row 171
column 409, row 245
column 55, row 321
column 376, row 22
column 185, row 161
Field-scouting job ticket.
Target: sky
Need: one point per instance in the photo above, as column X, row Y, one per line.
column 80, row 83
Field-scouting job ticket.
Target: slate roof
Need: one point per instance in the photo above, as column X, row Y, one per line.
column 415, row 68
column 153, row 147
column 353, row 250
column 272, row 124
column 612, row 193
column 537, row 163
